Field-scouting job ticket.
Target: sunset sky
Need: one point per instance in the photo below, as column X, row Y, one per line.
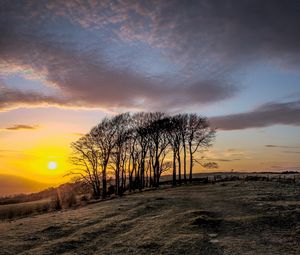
column 64, row 65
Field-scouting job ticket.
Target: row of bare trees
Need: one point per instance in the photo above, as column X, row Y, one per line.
column 133, row 150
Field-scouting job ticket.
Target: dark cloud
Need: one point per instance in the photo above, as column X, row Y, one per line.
column 207, row 39
column 21, row 127
column 87, row 80
column 236, row 32
column 13, row 98
column 263, row 116
column 223, row 30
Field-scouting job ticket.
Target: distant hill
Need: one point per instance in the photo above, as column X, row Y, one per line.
column 11, row 185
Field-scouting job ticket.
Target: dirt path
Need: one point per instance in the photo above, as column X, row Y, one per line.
column 229, row 218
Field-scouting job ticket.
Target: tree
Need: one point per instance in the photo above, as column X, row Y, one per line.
column 137, row 148
column 134, row 155
column 85, row 159
column 158, row 136
column 199, row 135
column 174, row 141
column 183, row 130
column 121, row 135
column 103, row 136
column 141, row 122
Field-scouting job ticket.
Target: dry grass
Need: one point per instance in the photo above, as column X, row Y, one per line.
column 12, row 211
column 235, row 218
column 60, row 201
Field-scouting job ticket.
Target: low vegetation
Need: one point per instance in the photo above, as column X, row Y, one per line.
column 75, row 195
column 232, row 217
column 65, row 196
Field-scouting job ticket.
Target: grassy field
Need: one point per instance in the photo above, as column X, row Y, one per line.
column 224, row 218
column 12, row 211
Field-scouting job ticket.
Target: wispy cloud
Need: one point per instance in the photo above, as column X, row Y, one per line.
column 78, row 134
column 281, row 146
column 263, row 116
column 226, row 160
column 286, row 167
column 292, row 152
column 17, row 127
column 238, row 31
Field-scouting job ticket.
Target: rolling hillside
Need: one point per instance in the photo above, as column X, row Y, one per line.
column 224, row 218
column 10, row 185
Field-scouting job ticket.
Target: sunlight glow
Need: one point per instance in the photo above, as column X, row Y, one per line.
column 52, row 165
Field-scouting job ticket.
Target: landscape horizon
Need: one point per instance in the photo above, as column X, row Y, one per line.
column 25, row 186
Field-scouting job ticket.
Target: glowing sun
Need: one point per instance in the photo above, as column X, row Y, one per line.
column 52, row 165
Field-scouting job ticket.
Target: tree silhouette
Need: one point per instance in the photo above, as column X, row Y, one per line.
column 199, row 135
column 137, row 149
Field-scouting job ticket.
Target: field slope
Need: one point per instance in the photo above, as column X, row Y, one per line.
column 228, row 218
column 11, row 185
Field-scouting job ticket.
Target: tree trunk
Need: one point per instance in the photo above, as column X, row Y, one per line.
column 129, row 175
column 104, row 184
column 184, row 161
column 130, row 182
column 156, row 171
column 174, row 168
column 124, row 179
column 150, row 175
column 117, row 182
column 191, row 162
column 179, row 167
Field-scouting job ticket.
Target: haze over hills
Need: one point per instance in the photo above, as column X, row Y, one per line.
column 11, row 185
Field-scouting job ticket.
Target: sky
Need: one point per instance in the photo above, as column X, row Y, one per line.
column 64, row 65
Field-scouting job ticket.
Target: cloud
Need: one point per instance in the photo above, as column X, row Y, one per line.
column 281, row 146
column 226, row 160
column 292, row 152
column 22, row 127
column 263, row 116
column 14, row 98
column 218, row 31
column 284, row 147
column 284, row 167
column 76, row 46
column 87, row 81
column 78, row 134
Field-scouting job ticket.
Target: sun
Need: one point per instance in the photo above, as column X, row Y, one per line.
column 52, row 165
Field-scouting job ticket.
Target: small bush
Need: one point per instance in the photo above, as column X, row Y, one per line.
column 56, row 203
column 70, row 199
column 64, row 199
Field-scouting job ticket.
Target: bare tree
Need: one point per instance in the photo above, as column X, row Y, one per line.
column 137, row 147
column 118, row 155
column 85, row 161
column 134, row 155
column 183, row 130
column 141, row 123
column 103, row 136
column 158, row 135
column 174, row 141
column 199, row 135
